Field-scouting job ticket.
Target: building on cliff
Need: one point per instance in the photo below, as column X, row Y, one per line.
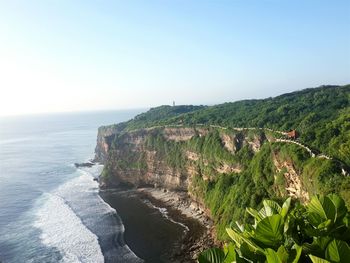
column 293, row 134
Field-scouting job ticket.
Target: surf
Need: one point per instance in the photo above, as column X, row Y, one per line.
column 74, row 219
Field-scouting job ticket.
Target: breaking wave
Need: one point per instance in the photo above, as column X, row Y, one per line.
column 62, row 229
column 75, row 220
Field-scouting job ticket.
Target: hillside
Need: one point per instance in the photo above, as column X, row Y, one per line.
column 224, row 166
column 321, row 116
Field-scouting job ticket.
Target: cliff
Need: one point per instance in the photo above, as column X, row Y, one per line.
column 104, row 136
column 231, row 156
column 223, row 170
column 168, row 157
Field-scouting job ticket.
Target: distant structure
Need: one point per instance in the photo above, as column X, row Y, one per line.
column 293, row 134
column 173, row 103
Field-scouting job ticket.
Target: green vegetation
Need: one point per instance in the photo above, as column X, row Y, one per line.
column 316, row 232
column 227, row 194
column 165, row 149
column 320, row 115
column 156, row 116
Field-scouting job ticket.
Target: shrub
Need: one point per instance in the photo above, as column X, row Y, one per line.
column 316, row 232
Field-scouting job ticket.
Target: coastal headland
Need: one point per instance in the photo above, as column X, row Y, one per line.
column 210, row 163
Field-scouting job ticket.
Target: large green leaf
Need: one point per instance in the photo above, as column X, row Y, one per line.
column 320, row 210
column 283, row 256
column 315, row 209
column 283, row 253
column 285, row 207
column 262, row 213
column 315, row 259
column 317, row 247
column 239, row 239
column 315, row 218
column 240, row 226
column 212, row 255
column 339, row 204
column 250, row 254
column 272, row 256
column 271, row 207
column 338, row 251
column 269, row 231
column 295, row 255
column 254, row 213
column 322, row 242
column 330, row 209
column 230, row 253
column 345, row 234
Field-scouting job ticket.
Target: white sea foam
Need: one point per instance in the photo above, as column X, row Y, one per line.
column 62, row 229
column 164, row 213
column 77, row 221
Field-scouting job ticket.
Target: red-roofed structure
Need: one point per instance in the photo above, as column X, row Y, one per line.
column 292, row 134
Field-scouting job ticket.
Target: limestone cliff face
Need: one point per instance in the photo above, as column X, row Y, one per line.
column 104, row 136
column 234, row 142
column 132, row 161
column 130, row 158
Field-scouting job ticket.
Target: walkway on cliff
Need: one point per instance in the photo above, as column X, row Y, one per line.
column 312, row 153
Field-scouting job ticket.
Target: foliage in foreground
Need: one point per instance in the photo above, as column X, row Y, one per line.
column 318, row 232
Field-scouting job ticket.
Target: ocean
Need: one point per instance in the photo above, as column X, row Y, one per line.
column 50, row 211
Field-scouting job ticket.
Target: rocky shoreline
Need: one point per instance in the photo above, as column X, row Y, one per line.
column 200, row 233
column 181, row 209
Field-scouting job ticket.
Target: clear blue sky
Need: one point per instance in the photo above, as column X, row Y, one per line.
column 67, row 55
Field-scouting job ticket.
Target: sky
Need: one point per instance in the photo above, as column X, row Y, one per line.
column 80, row 55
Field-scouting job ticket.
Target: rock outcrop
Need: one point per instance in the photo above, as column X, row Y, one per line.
column 129, row 159
column 104, row 136
column 293, row 184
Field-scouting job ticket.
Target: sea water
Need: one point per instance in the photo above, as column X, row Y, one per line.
column 50, row 211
